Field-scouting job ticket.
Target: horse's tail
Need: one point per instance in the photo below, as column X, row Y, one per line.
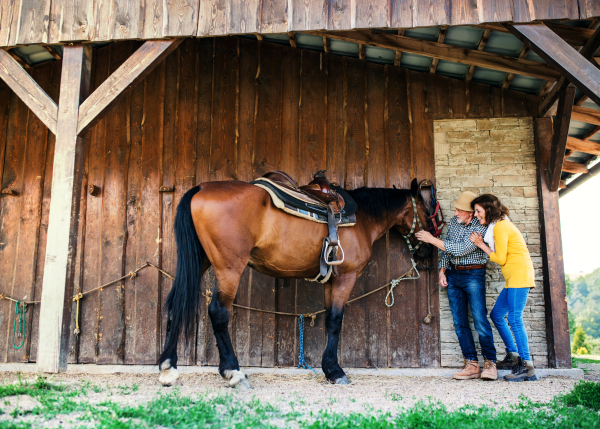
column 182, row 302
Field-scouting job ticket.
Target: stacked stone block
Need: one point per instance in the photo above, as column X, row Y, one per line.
column 495, row 156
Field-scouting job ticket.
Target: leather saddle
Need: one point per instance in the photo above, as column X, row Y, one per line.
column 324, row 199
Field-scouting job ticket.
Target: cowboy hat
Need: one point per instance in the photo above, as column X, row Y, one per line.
column 464, row 201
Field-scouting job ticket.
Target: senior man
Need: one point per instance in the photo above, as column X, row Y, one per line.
column 462, row 270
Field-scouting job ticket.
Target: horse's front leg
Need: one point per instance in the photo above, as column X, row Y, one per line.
column 218, row 310
column 336, row 296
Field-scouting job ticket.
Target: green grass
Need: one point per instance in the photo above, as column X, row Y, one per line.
column 576, row 409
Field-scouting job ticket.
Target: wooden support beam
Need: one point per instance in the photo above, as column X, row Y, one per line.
column 326, row 46
column 59, row 268
column 511, row 76
column 398, row 57
column 557, row 320
column 292, row 39
column 52, row 52
column 361, row 51
column 28, row 90
column 440, row 39
column 584, row 146
column 574, row 167
column 484, row 39
column 590, row 133
column 576, row 36
column 559, row 139
column 555, row 51
column 562, row 185
column 585, row 114
column 445, row 52
column 138, row 66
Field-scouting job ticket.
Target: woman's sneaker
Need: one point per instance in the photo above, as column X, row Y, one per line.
column 509, row 361
column 523, row 371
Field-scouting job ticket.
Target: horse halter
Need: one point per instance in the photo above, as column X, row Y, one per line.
column 412, row 229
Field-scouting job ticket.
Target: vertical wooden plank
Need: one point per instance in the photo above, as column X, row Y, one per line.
column 422, row 128
column 340, row 15
column 274, row 16
column 243, row 17
column 312, row 137
column 223, row 139
column 30, row 213
column 430, row 12
column 98, row 21
column 287, row 335
column 267, row 144
column 370, row 14
column 335, row 120
column 401, row 14
column 376, row 271
column 181, row 17
column 308, row 15
column 10, row 210
column 589, row 9
column 125, row 20
column 111, row 323
column 91, row 262
column 79, row 20
column 557, row 320
column 169, row 250
column 5, row 95
column 514, row 104
column 63, row 226
column 33, row 22
column 480, row 100
column 205, row 79
column 43, row 232
column 404, row 338
column 495, row 10
column 353, row 350
column 185, row 149
column 463, row 12
column 522, row 12
column 9, row 20
column 153, row 19
column 552, row 9
column 139, row 284
column 213, row 18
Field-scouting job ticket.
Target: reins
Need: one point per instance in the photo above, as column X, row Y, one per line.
column 412, row 229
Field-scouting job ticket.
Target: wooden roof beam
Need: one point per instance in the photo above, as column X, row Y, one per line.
column 574, row 168
column 555, row 51
column 444, row 52
column 585, row 114
column 584, row 146
column 440, row 39
column 138, row 66
column 577, row 36
column 398, row 58
column 559, row 137
column 28, row 90
column 508, row 80
column 484, row 39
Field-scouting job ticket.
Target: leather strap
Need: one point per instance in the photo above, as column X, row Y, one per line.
column 467, row 267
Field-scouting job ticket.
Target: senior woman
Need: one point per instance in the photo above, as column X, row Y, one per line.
column 508, row 249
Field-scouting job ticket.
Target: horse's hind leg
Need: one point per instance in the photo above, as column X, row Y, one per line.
column 336, row 296
column 219, row 312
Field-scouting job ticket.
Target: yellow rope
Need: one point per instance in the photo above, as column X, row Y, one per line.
column 132, row 274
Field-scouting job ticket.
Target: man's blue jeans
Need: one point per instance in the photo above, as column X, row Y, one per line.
column 467, row 288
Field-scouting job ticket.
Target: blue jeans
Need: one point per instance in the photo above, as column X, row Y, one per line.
column 468, row 288
column 512, row 301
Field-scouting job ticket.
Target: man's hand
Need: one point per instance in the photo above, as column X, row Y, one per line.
column 442, row 278
column 424, row 236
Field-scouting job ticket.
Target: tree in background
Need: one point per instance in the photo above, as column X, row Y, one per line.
column 579, row 341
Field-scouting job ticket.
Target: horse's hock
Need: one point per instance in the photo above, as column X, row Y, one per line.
column 495, row 155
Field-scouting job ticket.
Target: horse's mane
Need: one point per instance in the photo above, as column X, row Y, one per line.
column 377, row 202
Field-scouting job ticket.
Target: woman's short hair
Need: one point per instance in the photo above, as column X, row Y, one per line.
column 494, row 209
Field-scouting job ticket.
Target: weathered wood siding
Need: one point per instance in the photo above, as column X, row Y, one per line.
column 55, row 21
column 222, row 109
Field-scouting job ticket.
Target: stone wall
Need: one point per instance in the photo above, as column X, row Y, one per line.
column 492, row 156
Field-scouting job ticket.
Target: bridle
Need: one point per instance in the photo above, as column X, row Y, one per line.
column 415, row 221
column 436, row 221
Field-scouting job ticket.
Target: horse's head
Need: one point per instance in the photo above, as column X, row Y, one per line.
column 408, row 224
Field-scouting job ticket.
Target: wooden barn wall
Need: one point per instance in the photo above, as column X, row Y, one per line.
column 222, row 109
column 58, row 21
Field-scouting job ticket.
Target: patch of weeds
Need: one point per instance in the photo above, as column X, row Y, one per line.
column 332, row 400
column 393, row 396
column 584, row 393
column 352, row 399
column 21, row 387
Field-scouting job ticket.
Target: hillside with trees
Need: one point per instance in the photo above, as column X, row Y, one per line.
column 583, row 296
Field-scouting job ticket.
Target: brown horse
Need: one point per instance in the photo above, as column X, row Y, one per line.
column 230, row 225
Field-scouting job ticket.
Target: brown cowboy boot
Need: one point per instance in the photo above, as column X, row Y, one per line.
column 489, row 371
column 470, row 370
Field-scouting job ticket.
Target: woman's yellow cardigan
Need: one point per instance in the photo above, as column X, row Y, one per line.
column 512, row 255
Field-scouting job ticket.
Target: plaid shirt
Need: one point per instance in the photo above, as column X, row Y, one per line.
column 459, row 249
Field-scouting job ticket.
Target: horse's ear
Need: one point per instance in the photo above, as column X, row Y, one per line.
column 414, row 187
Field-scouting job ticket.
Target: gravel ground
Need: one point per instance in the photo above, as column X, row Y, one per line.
column 306, row 393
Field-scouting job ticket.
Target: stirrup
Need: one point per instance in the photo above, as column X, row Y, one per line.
column 333, row 249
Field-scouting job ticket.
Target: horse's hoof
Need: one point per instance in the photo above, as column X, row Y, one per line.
column 342, row 381
column 168, row 374
column 237, row 378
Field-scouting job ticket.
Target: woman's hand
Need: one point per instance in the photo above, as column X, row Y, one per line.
column 477, row 239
